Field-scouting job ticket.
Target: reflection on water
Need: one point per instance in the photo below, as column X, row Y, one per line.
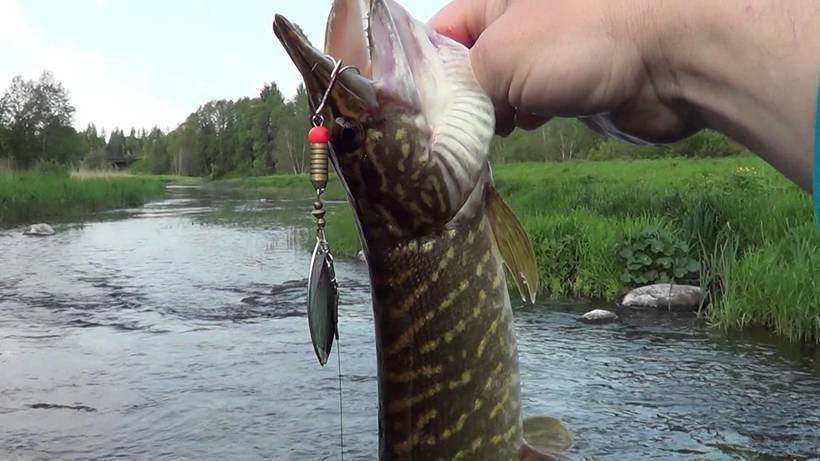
column 158, row 333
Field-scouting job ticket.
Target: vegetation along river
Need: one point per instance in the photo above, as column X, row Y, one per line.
column 152, row 333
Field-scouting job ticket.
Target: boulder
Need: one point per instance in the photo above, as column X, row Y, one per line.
column 39, row 230
column 663, row 296
column 599, row 316
column 360, row 256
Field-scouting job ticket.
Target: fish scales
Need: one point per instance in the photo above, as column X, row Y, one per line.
column 448, row 369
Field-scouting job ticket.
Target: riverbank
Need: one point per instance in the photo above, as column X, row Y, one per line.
column 600, row 228
column 26, row 197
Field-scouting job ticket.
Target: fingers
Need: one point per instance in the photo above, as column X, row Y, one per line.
column 465, row 20
column 504, row 119
column 529, row 121
column 482, row 25
column 495, row 70
column 508, row 119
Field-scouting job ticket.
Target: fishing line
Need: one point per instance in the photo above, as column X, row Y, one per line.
column 341, row 419
column 320, row 140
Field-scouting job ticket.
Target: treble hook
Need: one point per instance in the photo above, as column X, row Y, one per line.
column 317, row 118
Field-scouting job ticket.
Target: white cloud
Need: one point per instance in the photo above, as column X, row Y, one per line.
column 104, row 91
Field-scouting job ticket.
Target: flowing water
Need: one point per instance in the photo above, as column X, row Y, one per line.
column 153, row 333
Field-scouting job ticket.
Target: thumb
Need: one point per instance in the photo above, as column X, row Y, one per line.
column 465, row 20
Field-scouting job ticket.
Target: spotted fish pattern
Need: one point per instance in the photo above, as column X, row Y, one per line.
column 448, row 368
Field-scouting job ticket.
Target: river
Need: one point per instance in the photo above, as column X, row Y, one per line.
column 152, row 333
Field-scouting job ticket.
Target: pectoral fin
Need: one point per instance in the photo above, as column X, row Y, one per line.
column 514, row 245
column 528, row 453
column 546, row 433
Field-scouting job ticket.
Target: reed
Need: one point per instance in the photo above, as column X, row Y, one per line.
column 26, row 197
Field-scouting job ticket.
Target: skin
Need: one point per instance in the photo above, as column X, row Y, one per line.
column 652, row 70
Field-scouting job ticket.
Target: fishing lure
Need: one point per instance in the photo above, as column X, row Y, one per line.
column 323, row 290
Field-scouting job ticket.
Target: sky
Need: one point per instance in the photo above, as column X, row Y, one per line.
column 146, row 63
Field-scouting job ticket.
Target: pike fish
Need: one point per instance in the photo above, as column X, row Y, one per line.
column 410, row 142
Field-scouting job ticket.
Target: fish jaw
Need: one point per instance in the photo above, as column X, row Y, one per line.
column 410, row 132
column 352, row 94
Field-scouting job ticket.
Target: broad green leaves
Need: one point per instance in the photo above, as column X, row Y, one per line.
column 656, row 256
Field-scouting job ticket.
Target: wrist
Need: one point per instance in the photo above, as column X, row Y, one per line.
column 745, row 68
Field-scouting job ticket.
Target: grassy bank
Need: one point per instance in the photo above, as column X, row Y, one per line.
column 601, row 228
column 26, row 197
column 735, row 226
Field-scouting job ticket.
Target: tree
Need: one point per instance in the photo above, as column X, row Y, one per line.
column 52, row 105
column 271, row 111
column 292, row 137
column 32, row 111
column 17, row 115
column 5, row 142
column 66, row 145
column 155, row 152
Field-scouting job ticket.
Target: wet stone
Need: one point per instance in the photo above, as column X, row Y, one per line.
column 599, row 316
column 676, row 298
column 40, row 230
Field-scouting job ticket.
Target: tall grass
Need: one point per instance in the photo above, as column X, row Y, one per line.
column 752, row 231
column 29, row 196
column 777, row 285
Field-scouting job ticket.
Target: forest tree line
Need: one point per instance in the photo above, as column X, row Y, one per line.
column 257, row 136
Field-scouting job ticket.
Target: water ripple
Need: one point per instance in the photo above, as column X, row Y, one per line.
column 181, row 335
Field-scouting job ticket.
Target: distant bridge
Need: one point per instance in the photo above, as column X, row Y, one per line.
column 120, row 161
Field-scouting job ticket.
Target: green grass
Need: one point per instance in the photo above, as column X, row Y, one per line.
column 26, row 197
column 777, row 285
column 751, row 229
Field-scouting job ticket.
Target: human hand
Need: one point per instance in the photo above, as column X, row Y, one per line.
column 648, row 70
column 538, row 59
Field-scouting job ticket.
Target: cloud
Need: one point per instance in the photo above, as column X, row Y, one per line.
column 105, row 92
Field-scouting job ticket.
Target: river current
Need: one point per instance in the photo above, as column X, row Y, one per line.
column 154, row 333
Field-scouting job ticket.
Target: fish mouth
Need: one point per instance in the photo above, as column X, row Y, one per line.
column 413, row 117
column 316, row 69
column 386, row 45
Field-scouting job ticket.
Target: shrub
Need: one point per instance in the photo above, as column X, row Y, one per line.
column 655, row 256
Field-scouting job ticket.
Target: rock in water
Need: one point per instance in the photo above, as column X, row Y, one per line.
column 599, row 316
column 289, row 285
column 40, row 230
column 252, row 300
column 360, row 256
column 678, row 298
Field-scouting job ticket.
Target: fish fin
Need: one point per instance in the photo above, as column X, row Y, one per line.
column 546, row 434
column 514, row 245
column 529, row 453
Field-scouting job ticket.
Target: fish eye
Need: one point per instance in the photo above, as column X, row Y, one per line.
column 348, row 134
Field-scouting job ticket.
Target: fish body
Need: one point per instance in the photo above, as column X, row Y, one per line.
column 410, row 141
column 447, row 357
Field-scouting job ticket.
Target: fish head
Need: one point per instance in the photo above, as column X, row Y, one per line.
column 410, row 126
